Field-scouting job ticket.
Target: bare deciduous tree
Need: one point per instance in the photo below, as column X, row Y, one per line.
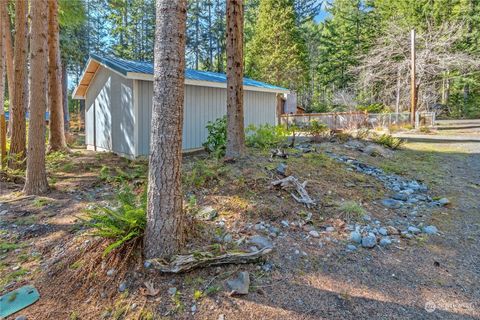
column 164, row 233
column 36, row 177
column 385, row 70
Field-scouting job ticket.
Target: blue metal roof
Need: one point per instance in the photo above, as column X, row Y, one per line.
column 125, row 66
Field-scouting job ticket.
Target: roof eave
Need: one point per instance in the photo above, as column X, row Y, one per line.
column 203, row 83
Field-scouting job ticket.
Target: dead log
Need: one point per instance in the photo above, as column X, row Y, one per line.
column 183, row 263
column 299, row 187
column 278, row 153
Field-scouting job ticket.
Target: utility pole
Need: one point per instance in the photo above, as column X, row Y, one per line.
column 413, row 87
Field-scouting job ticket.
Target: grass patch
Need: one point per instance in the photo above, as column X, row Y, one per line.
column 351, row 210
column 13, row 276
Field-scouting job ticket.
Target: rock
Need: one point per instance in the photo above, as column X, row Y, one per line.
column 314, row 234
column 351, row 247
column 391, row 203
column 260, row 242
column 356, row 237
column 354, row 144
column 413, row 230
column 392, row 231
column 367, row 218
column 267, row 266
column 369, row 241
column 430, row 230
column 259, row 226
column 274, row 230
column 330, row 229
column 171, row 291
column 443, row 201
column 21, row 318
column 122, row 287
column 111, row 272
column 240, row 284
column 383, row 231
column 282, row 169
column 375, row 150
column 385, row 242
column 406, row 235
column 227, row 238
column 400, row 196
column 285, row 223
column 4, row 212
column 208, row 213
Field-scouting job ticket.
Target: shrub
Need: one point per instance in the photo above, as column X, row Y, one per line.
column 217, row 137
column 317, row 130
column 266, row 136
column 124, row 222
column 388, row 141
column 374, row 108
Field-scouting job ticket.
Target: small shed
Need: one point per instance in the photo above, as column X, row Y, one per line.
column 118, row 104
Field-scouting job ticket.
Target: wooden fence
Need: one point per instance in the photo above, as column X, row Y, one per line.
column 356, row 120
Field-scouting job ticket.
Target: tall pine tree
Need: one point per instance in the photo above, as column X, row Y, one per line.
column 277, row 52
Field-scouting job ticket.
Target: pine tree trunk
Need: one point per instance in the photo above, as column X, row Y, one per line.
column 17, row 147
column 57, row 130
column 235, row 117
column 164, row 234
column 9, row 59
column 3, row 133
column 36, row 177
column 66, row 111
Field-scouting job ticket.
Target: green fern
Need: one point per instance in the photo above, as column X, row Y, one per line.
column 122, row 223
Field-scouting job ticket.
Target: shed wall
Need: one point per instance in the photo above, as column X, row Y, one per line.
column 109, row 116
column 203, row 104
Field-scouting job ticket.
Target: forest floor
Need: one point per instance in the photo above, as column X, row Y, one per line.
column 309, row 275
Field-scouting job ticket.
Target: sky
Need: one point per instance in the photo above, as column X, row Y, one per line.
column 322, row 16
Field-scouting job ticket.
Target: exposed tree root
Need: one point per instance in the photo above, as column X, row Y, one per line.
column 183, row 263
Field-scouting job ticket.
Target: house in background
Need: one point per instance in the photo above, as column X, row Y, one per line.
column 118, row 104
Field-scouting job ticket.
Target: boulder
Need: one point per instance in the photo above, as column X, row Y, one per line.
column 240, row 284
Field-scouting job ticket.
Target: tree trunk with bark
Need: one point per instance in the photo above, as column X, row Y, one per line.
column 36, row 177
column 235, row 117
column 18, row 142
column 8, row 58
column 57, row 130
column 3, row 133
column 66, row 111
column 164, row 234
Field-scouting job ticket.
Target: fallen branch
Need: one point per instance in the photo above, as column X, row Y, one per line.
column 183, row 263
column 299, row 187
column 278, row 153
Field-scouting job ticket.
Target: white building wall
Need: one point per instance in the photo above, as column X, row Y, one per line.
column 119, row 125
column 203, row 104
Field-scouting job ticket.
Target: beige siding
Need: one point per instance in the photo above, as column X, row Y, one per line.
column 203, row 104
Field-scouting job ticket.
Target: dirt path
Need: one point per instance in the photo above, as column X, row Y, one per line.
column 435, row 279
